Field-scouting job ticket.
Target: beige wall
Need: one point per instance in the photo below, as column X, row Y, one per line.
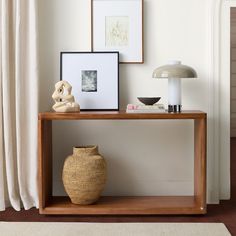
column 144, row 157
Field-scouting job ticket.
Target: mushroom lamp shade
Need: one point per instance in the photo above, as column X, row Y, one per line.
column 174, row 72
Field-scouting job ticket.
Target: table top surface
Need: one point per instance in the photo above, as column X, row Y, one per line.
column 120, row 115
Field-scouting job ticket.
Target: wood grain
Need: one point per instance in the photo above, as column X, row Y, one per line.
column 200, row 162
column 195, row 204
column 45, row 162
column 119, row 115
column 126, row 206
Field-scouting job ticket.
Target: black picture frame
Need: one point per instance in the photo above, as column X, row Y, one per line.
column 81, row 66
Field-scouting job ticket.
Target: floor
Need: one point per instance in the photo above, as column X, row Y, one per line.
column 224, row 213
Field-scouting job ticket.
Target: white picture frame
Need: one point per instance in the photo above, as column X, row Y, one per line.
column 117, row 25
column 94, row 77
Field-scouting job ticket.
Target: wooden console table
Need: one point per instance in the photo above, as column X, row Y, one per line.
column 51, row 205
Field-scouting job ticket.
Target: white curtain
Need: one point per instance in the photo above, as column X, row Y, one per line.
column 18, row 104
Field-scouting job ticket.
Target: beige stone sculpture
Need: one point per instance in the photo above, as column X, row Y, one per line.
column 64, row 100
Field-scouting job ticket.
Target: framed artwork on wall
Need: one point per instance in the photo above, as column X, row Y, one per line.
column 117, row 25
column 94, row 77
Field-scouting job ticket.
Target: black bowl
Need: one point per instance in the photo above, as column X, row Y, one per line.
column 149, row 100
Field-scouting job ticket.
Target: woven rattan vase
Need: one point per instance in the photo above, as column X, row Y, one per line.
column 84, row 175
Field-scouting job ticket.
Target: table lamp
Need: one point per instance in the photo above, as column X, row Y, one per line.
column 174, row 71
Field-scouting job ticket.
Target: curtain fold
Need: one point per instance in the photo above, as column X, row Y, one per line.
column 18, row 104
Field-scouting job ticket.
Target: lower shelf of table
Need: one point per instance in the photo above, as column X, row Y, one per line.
column 160, row 205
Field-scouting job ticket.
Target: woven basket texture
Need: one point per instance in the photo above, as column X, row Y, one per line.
column 84, row 175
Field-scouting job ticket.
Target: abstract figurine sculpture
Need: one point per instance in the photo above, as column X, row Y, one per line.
column 64, row 100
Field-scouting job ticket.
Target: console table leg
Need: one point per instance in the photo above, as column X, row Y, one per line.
column 200, row 163
column 45, row 162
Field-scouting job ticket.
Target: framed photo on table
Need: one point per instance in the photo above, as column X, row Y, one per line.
column 94, row 77
column 117, row 25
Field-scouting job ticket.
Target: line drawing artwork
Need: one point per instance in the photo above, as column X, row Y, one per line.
column 117, row 31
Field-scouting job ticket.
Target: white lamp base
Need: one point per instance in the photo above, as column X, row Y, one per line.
column 174, row 87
